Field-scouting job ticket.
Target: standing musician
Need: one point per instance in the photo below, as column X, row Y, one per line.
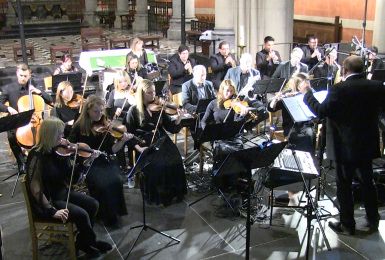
column 375, row 62
column 11, row 93
column 293, row 66
column 134, row 68
column 103, row 176
column 66, row 66
column 221, row 62
column 180, row 69
column 299, row 134
column 48, row 178
column 330, row 69
column 67, row 105
column 137, row 49
column 267, row 59
column 196, row 88
column 244, row 74
column 123, row 95
column 164, row 175
column 312, row 54
column 352, row 139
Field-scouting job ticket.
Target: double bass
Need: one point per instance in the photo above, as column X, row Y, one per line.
column 28, row 135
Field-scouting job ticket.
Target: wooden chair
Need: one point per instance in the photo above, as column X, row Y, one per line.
column 177, row 99
column 50, row 230
column 93, row 38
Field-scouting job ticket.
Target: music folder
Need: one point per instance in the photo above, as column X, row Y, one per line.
column 298, row 110
column 74, row 77
column 15, row 121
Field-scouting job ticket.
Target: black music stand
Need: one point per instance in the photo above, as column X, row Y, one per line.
column 12, row 122
column 159, row 85
column 379, row 74
column 319, row 84
column 141, row 163
column 75, row 78
column 244, row 161
column 262, row 87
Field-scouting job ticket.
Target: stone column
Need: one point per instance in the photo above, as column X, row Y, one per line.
column 225, row 12
column 174, row 31
column 141, row 17
column 89, row 12
column 11, row 14
column 378, row 26
column 121, row 8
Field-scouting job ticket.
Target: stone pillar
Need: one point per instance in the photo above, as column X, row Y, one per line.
column 174, row 31
column 141, row 17
column 11, row 14
column 378, row 26
column 225, row 12
column 121, row 8
column 89, row 12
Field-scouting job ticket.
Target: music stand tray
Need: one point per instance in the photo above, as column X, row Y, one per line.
column 15, row 121
column 263, row 87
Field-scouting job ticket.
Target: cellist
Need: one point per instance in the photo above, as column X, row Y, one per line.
column 11, row 94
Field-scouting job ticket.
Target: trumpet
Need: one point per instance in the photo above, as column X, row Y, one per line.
column 189, row 68
column 229, row 59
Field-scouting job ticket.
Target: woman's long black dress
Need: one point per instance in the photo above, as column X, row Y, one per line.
column 164, row 174
column 103, row 179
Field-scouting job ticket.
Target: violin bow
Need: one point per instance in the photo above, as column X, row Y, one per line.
column 84, row 91
column 157, row 124
column 72, row 175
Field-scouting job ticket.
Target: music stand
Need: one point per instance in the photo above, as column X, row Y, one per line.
column 141, row 163
column 75, row 78
column 262, row 87
column 319, row 84
column 12, row 122
column 245, row 160
column 202, row 105
column 159, row 85
column 379, row 74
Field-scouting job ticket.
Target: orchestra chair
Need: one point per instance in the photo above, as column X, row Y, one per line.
column 50, row 230
column 177, row 99
column 93, row 38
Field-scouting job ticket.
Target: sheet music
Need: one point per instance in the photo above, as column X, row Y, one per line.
column 298, row 110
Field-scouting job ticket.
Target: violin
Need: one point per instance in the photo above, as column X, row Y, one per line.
column 75, row 102
column 116, row 131
column 237, row 105
column 169, row 107
column 83, row 149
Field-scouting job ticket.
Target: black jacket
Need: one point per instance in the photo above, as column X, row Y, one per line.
column 266, row 68
column 352, row 108
column 219, row 68
column 177, row 72
column 190, row 94
column 285, row 70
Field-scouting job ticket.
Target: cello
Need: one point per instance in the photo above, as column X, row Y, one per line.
column 27, row 135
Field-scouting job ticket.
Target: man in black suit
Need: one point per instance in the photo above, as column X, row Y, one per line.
column 267, row 59
column 293, row 66
column 221, row 62
column 312, row 54
column 352, row 139
column 196, row 88
column 180, row 69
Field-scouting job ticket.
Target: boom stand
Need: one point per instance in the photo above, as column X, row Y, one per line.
column 142, row 162
column 312, row 211
column 12, row 122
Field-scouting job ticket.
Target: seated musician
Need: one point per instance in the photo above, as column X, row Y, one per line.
column 164, row 176
column 299, row 134
column 375, row 62
column 286, row 69
column 137, row 49
column 312, row 54
column 267, row 60
column 329, row 70
column 135, row 69
column 66, row 66
column 48, row 178
column 12, row 93
column 196, row 88
column 103, row 177
column 67, row 105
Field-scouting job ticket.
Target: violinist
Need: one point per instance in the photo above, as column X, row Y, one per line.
column 11, row 93
column 165, row 176
column 103, row 177
column 135, row 69
column 221, row 62
column 122, row 96
column 66, row 66
column 180, row 69
column 299, row 134
column 67, row 105
column 138, row 51
column 48, row 178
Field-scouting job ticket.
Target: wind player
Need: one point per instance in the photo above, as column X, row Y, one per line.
column 12, row 93
column 375, row 62
column 352, row 139
column 312, row 54
column 267, row 59
column 180, row 69
column 330, row 69
column 221, row 62
column 294, row 65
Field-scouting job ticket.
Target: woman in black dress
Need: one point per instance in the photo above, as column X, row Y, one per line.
column 48, row 177
column 103, row 179
column 164, row 175
column 135, row 69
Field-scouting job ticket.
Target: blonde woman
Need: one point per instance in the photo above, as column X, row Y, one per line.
column 165, row 177
column 48, row 176
column 137, row 49
column 103, row 178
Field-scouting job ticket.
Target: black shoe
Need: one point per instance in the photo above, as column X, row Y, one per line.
column 102, row 246
column 373, row 227
column 90, row 251
column 339, row 228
